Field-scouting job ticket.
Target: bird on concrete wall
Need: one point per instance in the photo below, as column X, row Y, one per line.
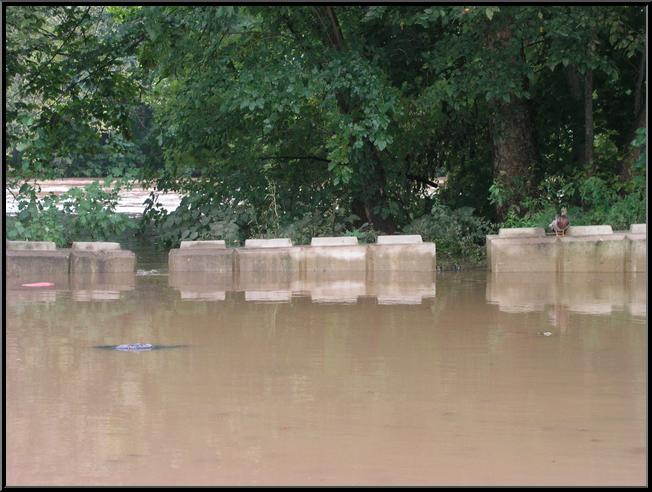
column 560, row 223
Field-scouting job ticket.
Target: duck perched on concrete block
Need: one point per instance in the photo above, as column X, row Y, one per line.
column 560, row 224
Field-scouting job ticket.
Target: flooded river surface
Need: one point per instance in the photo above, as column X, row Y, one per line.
column 464, row 378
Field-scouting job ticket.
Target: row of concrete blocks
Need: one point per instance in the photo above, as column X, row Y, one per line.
column 327, row 254
column 28, row 258
column 583, row 249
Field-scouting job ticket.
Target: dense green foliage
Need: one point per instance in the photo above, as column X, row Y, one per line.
column 314, row 120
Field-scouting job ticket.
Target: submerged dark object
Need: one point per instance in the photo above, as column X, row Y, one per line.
column 137, row 347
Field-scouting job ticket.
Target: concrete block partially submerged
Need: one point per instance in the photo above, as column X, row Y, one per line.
column 267, row 259
column 404, row 257
column 201, row 259
column 524, row 254
column 602, row 253
column 41, row 264
column 334, row 258
column 102, row 261
column 583, row 249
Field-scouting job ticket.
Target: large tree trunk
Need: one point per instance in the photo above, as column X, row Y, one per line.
column 588, row 119
column 632, row 153
column 576, row 90
column 515, row 151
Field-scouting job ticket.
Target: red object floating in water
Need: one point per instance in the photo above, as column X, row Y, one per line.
column 39, row 284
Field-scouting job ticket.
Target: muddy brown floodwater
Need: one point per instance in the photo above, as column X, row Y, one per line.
column 509, row 380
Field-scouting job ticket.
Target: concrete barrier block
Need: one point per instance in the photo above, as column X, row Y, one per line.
column 604, row 253
column 197, row 259
column 593, row 230
column 400, row 239
column 268, row 243
column 401, row 257
column 95, row 246
column 637, row 249
column 334, row 241
column 268, row 259
column 203, row 244
column 102, row 261
column 30, row 245
column 524, row 254
column 37, row 264
column 638, row 228
column 490, row 237
column 334, row 258
column 522, row 232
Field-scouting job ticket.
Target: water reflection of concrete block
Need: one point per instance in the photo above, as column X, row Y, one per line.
column 101, row 286
column 95, row 295
column 337, row 291
column 207, row 286
column 521, row 291
column 216, row 295
column 268, row 295
column 30, row 295
column 401, row 287
column 596, row 308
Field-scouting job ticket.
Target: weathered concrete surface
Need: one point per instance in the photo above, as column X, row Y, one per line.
column 203, row 244
column 334, row 258
column 638, row 229
column 37, row 263
column 588, row 249
column 593, row 230
column 637, row 252
column 524, row 254
column 334, row 241
column 602, row 253
column 95, row 246
column 201, row 259
column 268, row 243
column 400, row 239
column 30, row 245
column 268, row 259
column 102, row 261
column 401, row 257
column 522, row 232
